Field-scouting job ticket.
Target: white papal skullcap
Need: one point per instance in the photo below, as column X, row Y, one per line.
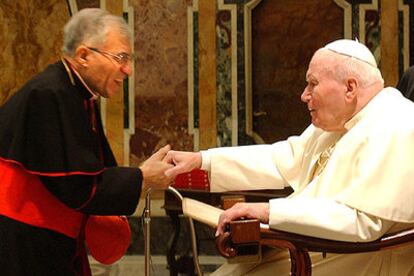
column 352, row 48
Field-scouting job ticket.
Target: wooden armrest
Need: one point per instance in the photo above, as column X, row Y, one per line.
column 242, row 238
column 229, row 243
column 227, row 201
column 332, row 246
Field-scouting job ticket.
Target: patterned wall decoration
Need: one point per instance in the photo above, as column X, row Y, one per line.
column 284, row 37
column 234, row 96
column 192, row 72
column 28, row 40
column 406, row 56
column 224, row 95
column 253, row 100
column 370, row 28
column 161, row 99
column 372, row 31
column 367, row 28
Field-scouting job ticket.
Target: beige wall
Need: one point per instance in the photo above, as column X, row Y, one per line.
column 30, row 38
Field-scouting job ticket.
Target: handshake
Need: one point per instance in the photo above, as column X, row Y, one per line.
column 160, row 170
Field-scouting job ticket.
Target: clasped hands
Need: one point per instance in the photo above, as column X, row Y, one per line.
column 160, row 170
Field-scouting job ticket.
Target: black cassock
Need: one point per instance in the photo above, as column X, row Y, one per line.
column 406, row 83
column 52, row 128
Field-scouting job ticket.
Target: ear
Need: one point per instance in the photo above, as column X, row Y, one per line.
column 351, row 89
column 82, row 56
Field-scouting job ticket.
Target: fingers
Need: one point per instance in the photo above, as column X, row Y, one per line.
column 221, row 224
column 165, row 149
column 174, row 171
column 162, row 152
column 225, row 217
column 169, row 157
column 153, row 171
column 239, row 210
column 179, row 161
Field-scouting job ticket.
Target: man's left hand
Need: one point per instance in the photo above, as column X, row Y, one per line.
column 243, row 210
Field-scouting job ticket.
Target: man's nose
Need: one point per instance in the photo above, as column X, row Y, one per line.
column 306, row 95
column 127, row 68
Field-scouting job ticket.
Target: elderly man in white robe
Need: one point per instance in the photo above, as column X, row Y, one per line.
column 352, row 169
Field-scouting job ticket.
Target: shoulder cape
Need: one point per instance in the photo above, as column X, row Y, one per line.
column 46, row 127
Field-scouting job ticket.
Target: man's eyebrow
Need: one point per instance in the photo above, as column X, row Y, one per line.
column 309, row 76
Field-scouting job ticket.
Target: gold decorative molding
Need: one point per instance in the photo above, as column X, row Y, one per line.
column 405, row 9
column 389, row 42
column 207, row 74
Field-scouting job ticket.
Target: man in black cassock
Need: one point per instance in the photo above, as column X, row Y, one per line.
column 56, row 167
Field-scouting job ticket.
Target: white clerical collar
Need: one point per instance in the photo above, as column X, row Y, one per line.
column 94, row 95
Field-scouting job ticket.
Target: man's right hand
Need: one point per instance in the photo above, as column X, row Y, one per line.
column 154, row 168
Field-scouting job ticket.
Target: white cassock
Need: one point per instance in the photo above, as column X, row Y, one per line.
column 365, row 190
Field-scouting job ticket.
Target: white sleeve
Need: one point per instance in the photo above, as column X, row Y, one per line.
column 205, row 160
column 254, row 167
column 325, row 218
column 243, row 168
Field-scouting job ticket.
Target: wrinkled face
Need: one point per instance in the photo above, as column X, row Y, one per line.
column 104, row 72
column 324, row 95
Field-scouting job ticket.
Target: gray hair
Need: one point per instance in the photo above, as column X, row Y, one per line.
column 90, row 26
column 345, row 66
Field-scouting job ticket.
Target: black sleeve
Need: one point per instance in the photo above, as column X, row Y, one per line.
column 406, row 83
column 117, row 191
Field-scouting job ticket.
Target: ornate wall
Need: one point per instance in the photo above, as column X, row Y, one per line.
column 30, row 38
column 262, row 51
column 209, row 73
column 284, row 37
column 161, row 105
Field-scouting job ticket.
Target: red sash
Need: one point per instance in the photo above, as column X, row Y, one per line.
column 24, row 198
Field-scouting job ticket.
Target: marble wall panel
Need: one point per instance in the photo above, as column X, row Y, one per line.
column 82, row 4
column 285, row 35
column 161, row 102
column 372, row 33
column 224, row 63
column 410, row 5
column 30, row 38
